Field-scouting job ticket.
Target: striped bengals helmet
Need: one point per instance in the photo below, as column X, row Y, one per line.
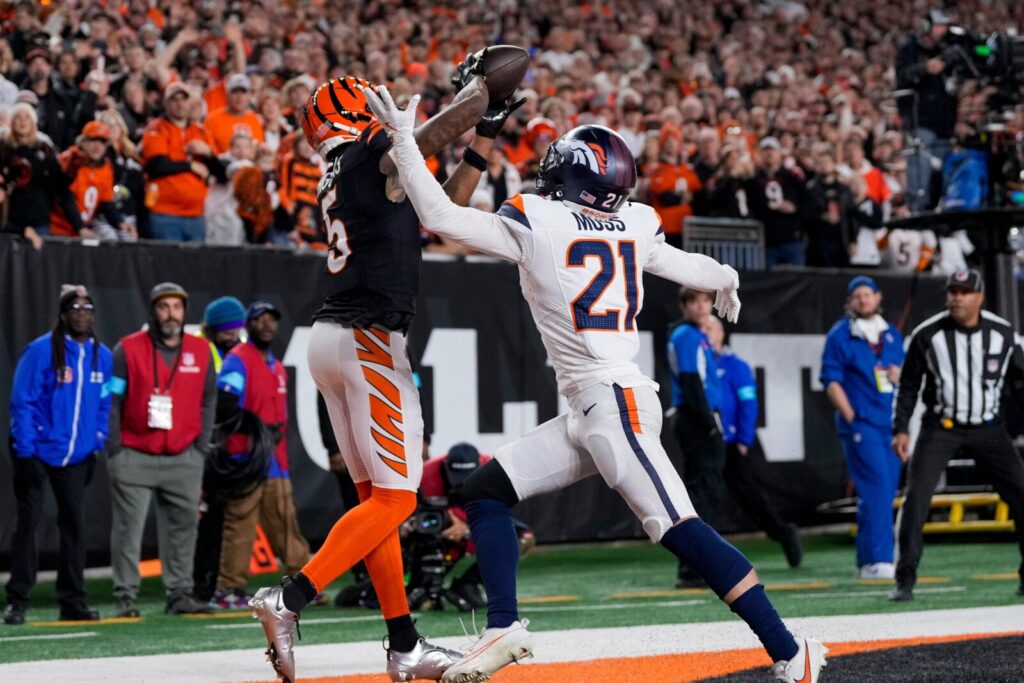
column 335, row 113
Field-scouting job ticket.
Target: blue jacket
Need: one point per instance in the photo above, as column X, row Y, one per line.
column 739, row 399
column 691, row 357
column 60, row 423
column 849, row 360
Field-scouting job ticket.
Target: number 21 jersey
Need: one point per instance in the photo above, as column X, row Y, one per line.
column 583, row 280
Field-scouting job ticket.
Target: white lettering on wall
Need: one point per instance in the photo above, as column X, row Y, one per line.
column 783, row 358
column 453, row 356
column 307, row 417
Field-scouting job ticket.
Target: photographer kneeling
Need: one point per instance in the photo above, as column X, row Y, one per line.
column 437, row 536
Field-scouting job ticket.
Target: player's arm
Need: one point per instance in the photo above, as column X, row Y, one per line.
column 697, row 271
column 466, row 176
column 484, row 232
column 444, row 128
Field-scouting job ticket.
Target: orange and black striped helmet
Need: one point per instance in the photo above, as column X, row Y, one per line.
column 335, row 113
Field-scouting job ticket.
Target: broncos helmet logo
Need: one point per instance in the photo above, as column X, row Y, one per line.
column 589, row 154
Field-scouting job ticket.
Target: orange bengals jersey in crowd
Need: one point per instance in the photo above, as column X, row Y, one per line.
column 181, row 194
column 91, row 186
column 673, row 178
column 222, row 126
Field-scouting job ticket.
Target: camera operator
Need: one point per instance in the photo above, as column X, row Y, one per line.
column 438, row 534
column 929, row 113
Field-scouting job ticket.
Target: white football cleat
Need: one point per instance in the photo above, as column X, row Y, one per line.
column 806, row 666
column 495, row 649
column 877, row 571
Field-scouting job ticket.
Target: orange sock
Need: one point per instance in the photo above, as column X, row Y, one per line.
column 355, row 537
column 384, row 564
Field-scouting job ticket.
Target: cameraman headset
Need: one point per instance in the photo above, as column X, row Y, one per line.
column 927, row 106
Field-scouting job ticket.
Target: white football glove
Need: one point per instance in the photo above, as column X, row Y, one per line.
column 727, row 301
column 397, row 123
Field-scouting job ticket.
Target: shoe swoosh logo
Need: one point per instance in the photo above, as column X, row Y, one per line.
column 587, row 410
column 807, row 664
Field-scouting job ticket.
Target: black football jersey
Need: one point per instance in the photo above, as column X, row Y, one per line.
column 374, row 257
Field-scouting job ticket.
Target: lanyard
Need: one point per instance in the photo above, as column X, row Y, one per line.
column 174, row 369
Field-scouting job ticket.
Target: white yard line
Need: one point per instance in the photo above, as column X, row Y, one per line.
column 552, row 646
column 51, row 636
column 874, row 594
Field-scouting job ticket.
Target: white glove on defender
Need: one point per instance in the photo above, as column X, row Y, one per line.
column 397, row 123
column 727, row 301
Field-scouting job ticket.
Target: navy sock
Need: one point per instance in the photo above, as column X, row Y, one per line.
column 402, row 633
column 497, row 553
column 723, row 566
column 756, row 609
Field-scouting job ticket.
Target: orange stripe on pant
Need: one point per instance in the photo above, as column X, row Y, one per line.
column 372, row 351
column 634, row 416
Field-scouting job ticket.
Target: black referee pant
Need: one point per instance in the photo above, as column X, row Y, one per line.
column 991, row 449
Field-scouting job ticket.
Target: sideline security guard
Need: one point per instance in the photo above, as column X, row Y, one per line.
column 860, row 368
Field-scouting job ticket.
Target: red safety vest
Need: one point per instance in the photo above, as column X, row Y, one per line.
column 186, row 391
column 266, row 396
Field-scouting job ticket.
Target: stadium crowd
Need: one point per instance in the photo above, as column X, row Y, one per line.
column 178, row 120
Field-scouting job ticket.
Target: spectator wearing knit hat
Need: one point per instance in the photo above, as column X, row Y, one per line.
column 223, row 321
column 160, row 428
column 32, row 178
column 59, row 411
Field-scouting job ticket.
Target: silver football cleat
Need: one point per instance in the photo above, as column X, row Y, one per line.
column 425, row 661
column 279, row 624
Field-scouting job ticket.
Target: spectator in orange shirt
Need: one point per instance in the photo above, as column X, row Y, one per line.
column 92, row 183
column 237, row 117
column 177, row 160
column 673, row 183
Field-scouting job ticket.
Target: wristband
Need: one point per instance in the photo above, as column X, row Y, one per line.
column 471, row 157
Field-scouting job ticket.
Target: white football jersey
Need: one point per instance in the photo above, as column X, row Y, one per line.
column 583, row 280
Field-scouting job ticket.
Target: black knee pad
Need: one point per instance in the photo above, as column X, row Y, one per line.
column 490, row 483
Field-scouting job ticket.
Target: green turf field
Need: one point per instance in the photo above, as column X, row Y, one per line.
column 563, row 587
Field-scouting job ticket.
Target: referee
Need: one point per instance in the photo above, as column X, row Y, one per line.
column 963, row 356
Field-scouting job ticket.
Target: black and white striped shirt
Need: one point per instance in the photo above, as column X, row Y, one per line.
column 964, row 371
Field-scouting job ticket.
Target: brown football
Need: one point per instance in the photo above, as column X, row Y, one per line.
column 504, row 68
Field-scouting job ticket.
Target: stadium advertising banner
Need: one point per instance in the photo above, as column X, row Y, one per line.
column 483, row 370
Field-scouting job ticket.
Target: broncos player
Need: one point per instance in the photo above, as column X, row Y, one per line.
column 582, row 249
column 357, row 353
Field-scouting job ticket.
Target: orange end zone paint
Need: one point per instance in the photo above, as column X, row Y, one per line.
column 682, row 668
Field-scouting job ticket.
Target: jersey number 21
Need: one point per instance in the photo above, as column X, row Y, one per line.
column 582, row 307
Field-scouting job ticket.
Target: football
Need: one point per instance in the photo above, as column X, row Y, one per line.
column 504, row 67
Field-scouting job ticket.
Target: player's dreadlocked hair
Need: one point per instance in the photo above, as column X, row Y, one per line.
column 68, row 294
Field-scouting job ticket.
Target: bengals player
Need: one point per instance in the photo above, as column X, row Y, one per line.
column 357, row 352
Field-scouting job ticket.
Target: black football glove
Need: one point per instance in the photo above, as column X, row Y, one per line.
column 496, row 115
column 471, row 66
